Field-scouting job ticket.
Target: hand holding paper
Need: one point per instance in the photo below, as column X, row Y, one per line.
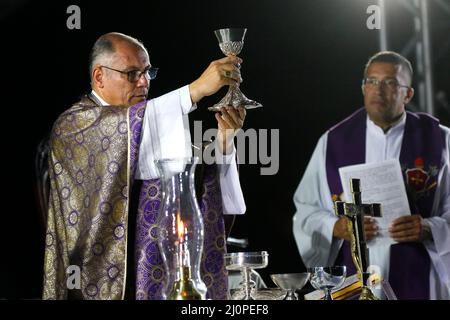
column 381, row 182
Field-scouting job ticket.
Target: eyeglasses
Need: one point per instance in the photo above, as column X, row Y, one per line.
column 389, row 83
column 134, row 75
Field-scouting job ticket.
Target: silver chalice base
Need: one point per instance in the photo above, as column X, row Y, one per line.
column 235, row 98
column 231, row 42
column 260, row 294
column 245, row 262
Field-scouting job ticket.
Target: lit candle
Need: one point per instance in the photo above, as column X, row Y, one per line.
column 180, row 245
column 183, row 250
column 187, row 259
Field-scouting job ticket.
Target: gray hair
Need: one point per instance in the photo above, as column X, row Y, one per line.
column 103, row 48
column 391, row 57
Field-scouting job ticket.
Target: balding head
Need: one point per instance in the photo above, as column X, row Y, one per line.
column 115, row 58
column 104, row 48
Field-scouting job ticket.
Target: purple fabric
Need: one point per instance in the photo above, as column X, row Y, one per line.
column 136, row 116
column 150, row 269
column 213, row 270
column 346, row 146
column 150, row 274
column 423, row 142
column 87, row 217
column 424, row 139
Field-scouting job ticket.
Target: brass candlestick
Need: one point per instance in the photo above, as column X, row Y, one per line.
column 184, row 288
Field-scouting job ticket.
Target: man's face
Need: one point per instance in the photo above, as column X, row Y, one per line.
column 385, row 102
column 117, row 90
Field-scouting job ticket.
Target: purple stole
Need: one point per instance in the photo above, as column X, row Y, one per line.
column 420, row 160
column 148, row 261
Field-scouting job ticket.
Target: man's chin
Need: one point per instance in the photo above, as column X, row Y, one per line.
column 378, row 105
column 137, row 99
column 376, row 112
column 377, row 109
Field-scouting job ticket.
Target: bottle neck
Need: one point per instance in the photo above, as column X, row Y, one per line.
column 185, row 273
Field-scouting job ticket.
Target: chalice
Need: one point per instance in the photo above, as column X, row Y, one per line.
column 246, row 262
column 231, row 42
column 327, row 278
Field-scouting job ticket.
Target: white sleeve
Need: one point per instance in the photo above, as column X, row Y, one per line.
column 232, row 196
column 314, row 220
column 165, row 131
column 439, row 222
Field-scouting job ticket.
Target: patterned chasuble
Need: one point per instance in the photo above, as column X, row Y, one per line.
column 420, row 160
column 93, row 157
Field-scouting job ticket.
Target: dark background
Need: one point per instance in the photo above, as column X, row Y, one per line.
column 303, row 60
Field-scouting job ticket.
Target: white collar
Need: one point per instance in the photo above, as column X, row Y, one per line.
column 103, row 102
column 398, row 127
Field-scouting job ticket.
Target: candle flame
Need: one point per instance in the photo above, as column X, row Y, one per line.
column 180, row 228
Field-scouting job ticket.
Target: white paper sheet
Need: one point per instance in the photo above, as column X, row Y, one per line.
column 381, row 182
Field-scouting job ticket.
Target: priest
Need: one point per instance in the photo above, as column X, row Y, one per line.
column 105, row 190
column 417, row 266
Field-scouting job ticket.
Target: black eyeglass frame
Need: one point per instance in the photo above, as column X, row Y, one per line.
column 378, row 82
column 149, row 72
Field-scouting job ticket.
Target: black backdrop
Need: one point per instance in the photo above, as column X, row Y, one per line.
column 303, row 60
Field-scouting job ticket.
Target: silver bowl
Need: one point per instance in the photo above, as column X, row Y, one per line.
column 251, row 260
column 291, row 282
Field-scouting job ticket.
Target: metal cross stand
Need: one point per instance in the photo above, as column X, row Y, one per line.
column 355, row 213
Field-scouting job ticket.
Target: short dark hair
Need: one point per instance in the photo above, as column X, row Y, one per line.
column 391, row 57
